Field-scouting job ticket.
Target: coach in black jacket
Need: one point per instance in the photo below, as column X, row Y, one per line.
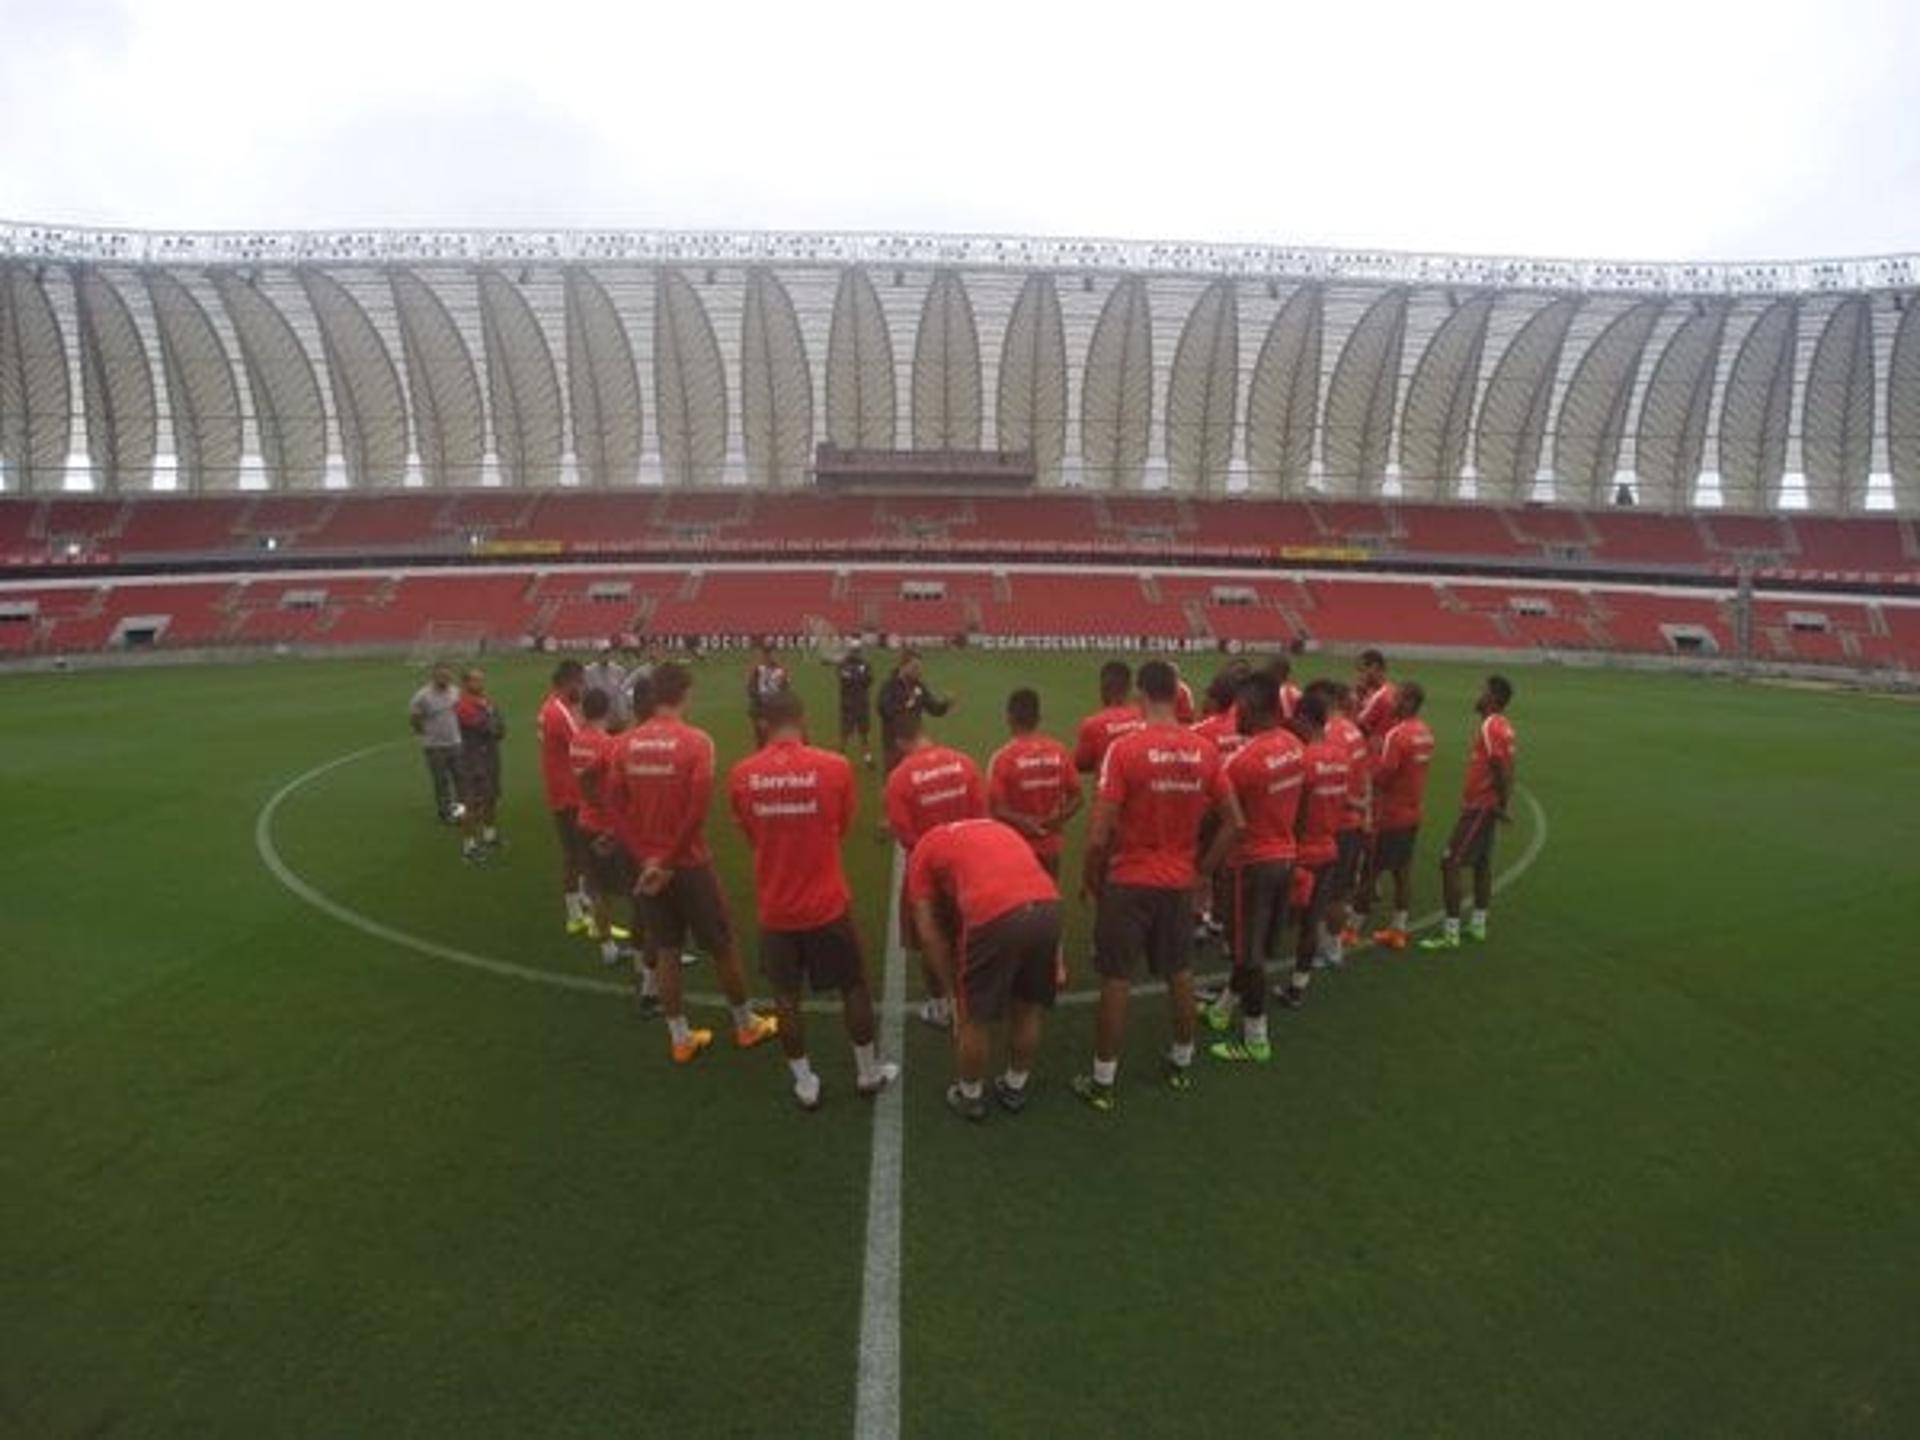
column 905, row 693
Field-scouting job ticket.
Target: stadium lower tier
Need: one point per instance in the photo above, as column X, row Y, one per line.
column 1053, row 527
column 520, row 606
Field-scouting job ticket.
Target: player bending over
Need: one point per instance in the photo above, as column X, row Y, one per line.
column 1399, row 790
column 662, row 784
column 1266, row 775
column 1155, row 785
column 931, row 785
column 988, row 915
column 796, row 805
column 1483, row 808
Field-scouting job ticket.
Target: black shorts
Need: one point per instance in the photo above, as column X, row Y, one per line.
column 1009, row 958
column 855, row 718
column 573, row 844
column 479, row 774
column 1143, row 924
column 1256, row 910
column 1346, row 866
column 1394, row 848
column 690, row 905
column 1471, row 844
column 826, row 958
column 1318, row 898
column 608, row 867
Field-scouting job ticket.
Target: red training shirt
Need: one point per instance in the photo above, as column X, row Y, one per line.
column 662, row 773
column 1343, row 732
column 985, row 867
column 1099, row 730
column 557, row 725
column 1376, row 711
column 795, row 804
column 1400, row 774
column 1323, row 809
column 1223, row 729
column 590, row 754
column 1268, row 773
column 1031, row 775
column 1494, row 740
column 931, row 786
column 1163, row 779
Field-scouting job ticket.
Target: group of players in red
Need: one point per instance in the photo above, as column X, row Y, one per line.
column 1269, row 820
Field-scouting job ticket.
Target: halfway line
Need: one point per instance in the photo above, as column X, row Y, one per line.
column 876, row 1413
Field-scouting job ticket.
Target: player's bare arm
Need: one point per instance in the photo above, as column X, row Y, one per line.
column 1502, row 773
column 934, row 948
column 1233, row 821
column 1093, row 866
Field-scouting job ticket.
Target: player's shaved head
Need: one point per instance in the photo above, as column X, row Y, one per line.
column 1159, row 682
column 1311, row 714
column 671, row 683
column 1412, row 696
column 1116, row 682
column 1372, row 662
column 568, row 672
column 596, row 704
column 1023, row 709
column 1224, row 686
column 1280, row 668
column 783, row 711
column 1259, row 700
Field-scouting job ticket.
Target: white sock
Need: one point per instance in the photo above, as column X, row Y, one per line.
column 970, row 1089
column 940, row 1009
column 489, row 834
column 1479, row 919
column 742, row 1016
column 1400, row 920
column 1452, row 927
column 576, row 906
column 610, row 951
column 1015, row 1079
column 1336, row 952
column 1105, row 1070
column 1256, row 1029
column 1181, row 1055
column 866, row 1059
column 678, row 1029
column 648, row 985
column 803, row 1071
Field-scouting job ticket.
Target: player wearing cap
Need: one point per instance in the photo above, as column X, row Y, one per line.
column 796, row 804
column 988, row 915
column 559, row 717
column 1267, row 775
column 1399, row 795
column 1155, row 785
column 662, row 783
column 1489, row 791
column 931, row 785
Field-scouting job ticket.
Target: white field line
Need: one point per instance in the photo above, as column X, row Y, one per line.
column 876, row 1413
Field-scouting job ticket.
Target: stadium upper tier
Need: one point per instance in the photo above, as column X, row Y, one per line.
column 218, row 362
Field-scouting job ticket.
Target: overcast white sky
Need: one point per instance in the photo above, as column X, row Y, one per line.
column 1632, row 128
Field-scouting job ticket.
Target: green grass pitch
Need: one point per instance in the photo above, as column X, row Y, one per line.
column 1646, row 1165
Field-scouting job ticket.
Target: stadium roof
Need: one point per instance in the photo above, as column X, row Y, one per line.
column 134, row 360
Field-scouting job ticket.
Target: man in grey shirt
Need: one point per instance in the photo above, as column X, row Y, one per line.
column 430, row 713
column 607, row 674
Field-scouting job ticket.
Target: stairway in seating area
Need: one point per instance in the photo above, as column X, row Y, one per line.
column 1196, row 614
